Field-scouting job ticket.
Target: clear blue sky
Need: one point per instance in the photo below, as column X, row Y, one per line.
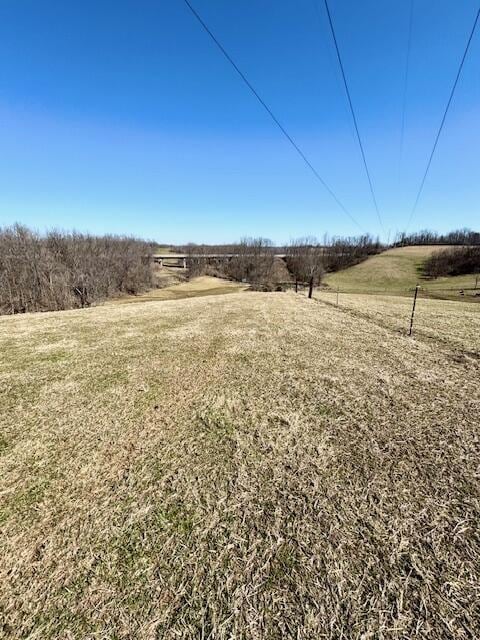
column 122, row 116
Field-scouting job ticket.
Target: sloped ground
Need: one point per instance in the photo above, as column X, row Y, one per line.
column 396, row 272
column 194, row 288
column 249, row 466
column 454, row 324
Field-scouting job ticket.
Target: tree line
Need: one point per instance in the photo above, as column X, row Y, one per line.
column 455, row 261
column 426, row 236
column 253, row 259
column 62, row 270
column 66, row 270
column 307, row 260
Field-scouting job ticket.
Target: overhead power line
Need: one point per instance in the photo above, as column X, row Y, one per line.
column 352, row 110
column 440, row 129
column 272, row 115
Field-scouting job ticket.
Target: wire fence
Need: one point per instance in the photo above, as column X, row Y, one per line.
column 415, row 313
column 442, row 314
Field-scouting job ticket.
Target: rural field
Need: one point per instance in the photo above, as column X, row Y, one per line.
column 194, row 288
column 248, row 466
column 395, row 272
column 240, row 321
column 455, row 324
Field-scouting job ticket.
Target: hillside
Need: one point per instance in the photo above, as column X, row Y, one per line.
column 241, row 466
column 395, row 271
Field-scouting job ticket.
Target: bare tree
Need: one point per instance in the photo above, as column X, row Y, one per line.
column 340, row 253
column 426, row 236
column 305, row 261
column 253, row 261
column 67, row 270
column 455, row 261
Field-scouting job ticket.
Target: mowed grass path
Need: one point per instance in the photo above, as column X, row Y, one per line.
column 395, row 271
column 250, row 466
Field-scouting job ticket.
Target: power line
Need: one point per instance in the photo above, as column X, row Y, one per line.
column 407, row 70
column 352, row 110
column 272, row 115
column 444, row 118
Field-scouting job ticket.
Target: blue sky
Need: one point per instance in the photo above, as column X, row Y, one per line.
column 123, row 117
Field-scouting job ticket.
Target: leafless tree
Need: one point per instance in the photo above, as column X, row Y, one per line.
column 426, row 236
column 455, row 261
column 67, row 270
column 305, row 261
column 340, row 253
column 253, row 261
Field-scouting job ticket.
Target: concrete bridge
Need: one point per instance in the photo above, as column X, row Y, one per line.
column 180, row 260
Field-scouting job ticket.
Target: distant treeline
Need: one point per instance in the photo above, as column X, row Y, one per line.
column 66, row 270
column 340, row 253
column 253, row 260
column 458, row 237
column 60, row 270
column 306, row 258
column 455, row 261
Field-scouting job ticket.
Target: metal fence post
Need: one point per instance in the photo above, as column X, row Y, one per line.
column 413, row 309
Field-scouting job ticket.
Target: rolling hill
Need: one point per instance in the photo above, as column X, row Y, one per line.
column 395, row 271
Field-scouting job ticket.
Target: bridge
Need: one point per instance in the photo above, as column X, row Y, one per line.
column 180, row 260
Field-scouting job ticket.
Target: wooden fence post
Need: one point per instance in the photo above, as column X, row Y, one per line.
column 310, row 288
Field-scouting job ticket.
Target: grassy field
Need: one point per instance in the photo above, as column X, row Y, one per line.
column 256, row 466
column 456, row 324
column 165, row 250
column 395, row 271
column 194, row 288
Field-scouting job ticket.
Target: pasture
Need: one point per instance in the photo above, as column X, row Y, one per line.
column 245, row 466
column 455, row 324
column 193, row 288
column 396, row 272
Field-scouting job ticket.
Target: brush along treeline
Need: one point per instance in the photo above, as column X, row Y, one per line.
column 253, row 259
column 62, row 270
column 455, row 261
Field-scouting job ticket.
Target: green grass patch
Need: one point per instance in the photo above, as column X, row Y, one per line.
column 395, row 271
column 23, row 503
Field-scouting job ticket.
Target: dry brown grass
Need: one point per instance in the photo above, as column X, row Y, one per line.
column 453, row 323
column 251, row 466
column 194, row 288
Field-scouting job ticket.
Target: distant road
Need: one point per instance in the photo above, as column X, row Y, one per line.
column 180, row 259
column 180, row 256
